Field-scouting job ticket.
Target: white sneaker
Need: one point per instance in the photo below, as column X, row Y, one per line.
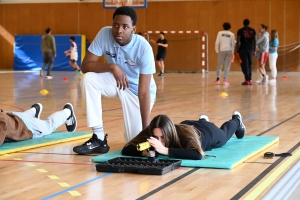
column 204, row 117
column 49, row 77
column 264, row 80
column 273, row 80
column 259, row 81
column 241, row 129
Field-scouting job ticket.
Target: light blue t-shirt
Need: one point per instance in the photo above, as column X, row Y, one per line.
column 134, row 59
column 275, row 43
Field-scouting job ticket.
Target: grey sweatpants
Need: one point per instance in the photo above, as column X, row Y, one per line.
column 39, row 127
column 224, row 57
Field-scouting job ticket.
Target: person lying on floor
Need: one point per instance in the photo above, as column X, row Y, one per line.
column 187, row 140
column 17, row 126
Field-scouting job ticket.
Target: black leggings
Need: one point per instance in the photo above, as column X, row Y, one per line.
column 217, row 137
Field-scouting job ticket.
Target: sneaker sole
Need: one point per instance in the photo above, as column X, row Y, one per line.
column 204, row 117
column 92, row 151
column 41, row 109
column 72, row 112
column 239, row 114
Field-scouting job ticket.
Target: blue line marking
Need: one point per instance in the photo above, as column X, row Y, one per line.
column 76, row 186
column 253, row 117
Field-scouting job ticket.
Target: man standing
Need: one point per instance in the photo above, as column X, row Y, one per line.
column 127, row 75
column 246, row 43
column 162, row 45
column 224, row 47
column 49, row 51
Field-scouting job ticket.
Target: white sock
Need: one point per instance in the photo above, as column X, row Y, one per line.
column 67, row 111
column 98, row 130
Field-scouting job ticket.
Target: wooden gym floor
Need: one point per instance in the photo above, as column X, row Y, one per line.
column 56, row 172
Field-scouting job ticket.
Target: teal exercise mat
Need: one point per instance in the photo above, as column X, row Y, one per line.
column 233, row 153
column 53, row 138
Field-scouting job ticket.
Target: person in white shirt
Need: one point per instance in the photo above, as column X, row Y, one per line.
column 127, row 74
column 73, row 54
column 224, row 47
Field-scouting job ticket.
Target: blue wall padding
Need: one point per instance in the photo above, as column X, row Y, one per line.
column 28, row 54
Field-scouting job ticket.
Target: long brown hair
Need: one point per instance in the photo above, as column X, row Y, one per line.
column 274, row 35
column 176, row 135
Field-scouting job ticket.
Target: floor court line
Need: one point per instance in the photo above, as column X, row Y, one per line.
column 253, row 117
column 266, row 172
column 45, row 162
column 76, row 186
column 63, row 154
column 167, row 184
column 278, row 124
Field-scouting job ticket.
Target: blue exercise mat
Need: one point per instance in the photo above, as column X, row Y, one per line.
column 53, row 138
column 234, row 152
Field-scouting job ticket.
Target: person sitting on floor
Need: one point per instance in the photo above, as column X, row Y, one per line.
column 17, row 126
column 187, row 140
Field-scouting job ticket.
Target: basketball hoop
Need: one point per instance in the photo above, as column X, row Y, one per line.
column 118, row 3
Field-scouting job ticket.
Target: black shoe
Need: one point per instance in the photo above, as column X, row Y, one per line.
column 241, row 130
column 93, row 145
column 71, row 122
column 39, row 108
column 160, row 74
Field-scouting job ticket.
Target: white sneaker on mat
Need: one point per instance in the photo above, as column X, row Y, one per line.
column 204, row 117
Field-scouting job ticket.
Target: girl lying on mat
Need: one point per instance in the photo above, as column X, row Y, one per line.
column 187, row 140
column 16, row 126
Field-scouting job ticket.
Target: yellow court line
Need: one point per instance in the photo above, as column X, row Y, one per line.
column 64, row 184
column 30, row 165
column 74, row 193
column 256, row 152
column 45, row 144
column 42, row 170
column 53, row 177
column 260, row 188
column 6, row 155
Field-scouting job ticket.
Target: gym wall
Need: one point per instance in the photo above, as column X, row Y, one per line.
column 88, row 18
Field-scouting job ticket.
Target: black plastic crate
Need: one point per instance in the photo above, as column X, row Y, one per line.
column 138, row 165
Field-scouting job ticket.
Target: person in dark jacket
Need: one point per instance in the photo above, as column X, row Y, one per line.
column 187, row 140
column 49, row 51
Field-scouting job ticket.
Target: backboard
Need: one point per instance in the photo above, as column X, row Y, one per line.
column 113, row 4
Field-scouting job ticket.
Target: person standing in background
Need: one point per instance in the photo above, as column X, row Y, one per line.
column 246, row 43
column 49, row 52
column 273, row 55
column 162, row 45
column 73, row 54
column 263, row 46
column 224, row 47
